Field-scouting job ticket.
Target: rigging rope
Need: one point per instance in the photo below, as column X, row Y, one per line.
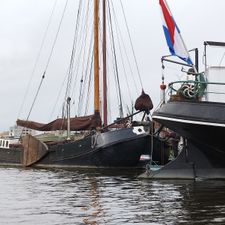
column 89, row 85
column 222, row 59
column 48, row 61
column 58, row 96
column 71, row 66
column 85, row 55
column 116, row 65
column 43, row 76
column 76, row 45
column 87, row 78
column 73, row 53
column 37, row 58
column 80, row 46
column 84, row 71
column 39, row 87
column 69, row 74
column 118, row 32
column 56, row 37
column 135, row 58
column 114, row 69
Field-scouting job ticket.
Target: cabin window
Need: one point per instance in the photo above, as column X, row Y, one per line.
column 7, row 144
column 3, row 144
column 0, row 142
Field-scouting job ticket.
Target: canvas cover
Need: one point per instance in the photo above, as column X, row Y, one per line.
column 76, row 123
column 143, row 102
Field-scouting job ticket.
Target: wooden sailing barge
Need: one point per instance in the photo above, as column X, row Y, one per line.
column 98, row 148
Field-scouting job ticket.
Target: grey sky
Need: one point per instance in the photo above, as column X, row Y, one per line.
column 22, row 25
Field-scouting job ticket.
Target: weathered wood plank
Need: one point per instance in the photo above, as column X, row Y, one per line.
column 33, row 150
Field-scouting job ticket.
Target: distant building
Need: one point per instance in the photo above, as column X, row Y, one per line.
column 4, row 134
column 17, row 131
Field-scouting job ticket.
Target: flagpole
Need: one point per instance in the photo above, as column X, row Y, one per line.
column 193, row 66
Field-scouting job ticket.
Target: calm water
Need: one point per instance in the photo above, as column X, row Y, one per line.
column 32, row 197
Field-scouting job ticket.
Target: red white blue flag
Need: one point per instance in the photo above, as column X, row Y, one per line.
column 172, row 34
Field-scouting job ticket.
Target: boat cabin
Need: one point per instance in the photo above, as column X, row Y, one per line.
column 5, row 143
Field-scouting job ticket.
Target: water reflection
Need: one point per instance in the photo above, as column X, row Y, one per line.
column 88, row 197
column 94, row 205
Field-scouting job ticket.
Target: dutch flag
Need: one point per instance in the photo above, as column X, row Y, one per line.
column 172, row 34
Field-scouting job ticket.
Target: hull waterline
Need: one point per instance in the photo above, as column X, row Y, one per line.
column 117, row 149
column 202, row 124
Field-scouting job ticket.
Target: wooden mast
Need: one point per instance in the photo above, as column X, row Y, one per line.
column 105, row 113
column 96, row 59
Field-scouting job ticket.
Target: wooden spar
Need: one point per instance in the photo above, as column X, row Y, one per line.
column 104, row 67
column 96, row 59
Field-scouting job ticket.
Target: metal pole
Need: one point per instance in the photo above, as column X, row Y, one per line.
column 206, row 93
column 68, row 117
column 196, row 60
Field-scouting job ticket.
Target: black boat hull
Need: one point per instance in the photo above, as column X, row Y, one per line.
column 115, row 149
column 192, row 163
column 203, row 125
column 125, row 154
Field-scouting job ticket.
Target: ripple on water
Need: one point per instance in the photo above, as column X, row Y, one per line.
column 30, row 196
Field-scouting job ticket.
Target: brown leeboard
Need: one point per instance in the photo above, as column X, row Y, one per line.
column 33, row 150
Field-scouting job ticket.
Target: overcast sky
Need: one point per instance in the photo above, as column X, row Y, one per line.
column 23, row 23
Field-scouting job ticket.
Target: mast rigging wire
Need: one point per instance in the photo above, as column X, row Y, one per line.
column 74, row 50
column 116, row 65
column 83, row 56
column 89, row 85
column 222, row 59
column 119, row 35
column 113, row 66
column 83, row 28
column 132, row 47
column 38, row 57
column 58, row 96
column 73, row 53
column 84, row 73
column 77, row 39
column 48, row 61
column 86, row 80
column 69, row 73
